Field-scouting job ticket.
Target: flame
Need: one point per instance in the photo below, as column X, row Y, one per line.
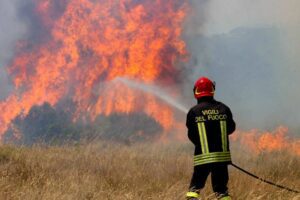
column 258, row 141
column 87, row 44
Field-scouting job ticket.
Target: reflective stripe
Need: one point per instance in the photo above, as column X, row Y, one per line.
column 213, row 154
column 211, row 158
column 203, row 138
column 223, row 126
column 192, row 194
column 226, row 198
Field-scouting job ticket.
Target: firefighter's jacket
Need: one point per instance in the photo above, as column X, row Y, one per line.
column 209, row 123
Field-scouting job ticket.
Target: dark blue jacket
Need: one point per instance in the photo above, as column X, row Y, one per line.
column 209, row 123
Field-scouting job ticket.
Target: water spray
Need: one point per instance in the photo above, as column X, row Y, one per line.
column 155, row 90
column 163, row 95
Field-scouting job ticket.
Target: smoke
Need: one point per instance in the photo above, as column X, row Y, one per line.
column 60, row 57
column 11, row 30
column 250, row 48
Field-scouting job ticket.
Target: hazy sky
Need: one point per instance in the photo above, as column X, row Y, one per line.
column 263, row 36
column 224, row 16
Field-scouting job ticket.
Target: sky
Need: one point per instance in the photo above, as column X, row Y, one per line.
column 249, row 47
column 224, row 16
column 227, row 15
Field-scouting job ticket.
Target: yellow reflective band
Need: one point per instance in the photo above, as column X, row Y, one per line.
column 222, row 134
column 192, row 194
column 213, row 154
column 203, row 138
column 223, row 126
column 226, row 198
column 212, row 157
column 213, row 160
column 225, row 136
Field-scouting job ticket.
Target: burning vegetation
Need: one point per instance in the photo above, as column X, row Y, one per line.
column 83, row 46
column 66, row 75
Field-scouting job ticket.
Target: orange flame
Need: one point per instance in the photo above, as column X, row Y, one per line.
column 87, row 44
column 90, row 43
column 276, row 140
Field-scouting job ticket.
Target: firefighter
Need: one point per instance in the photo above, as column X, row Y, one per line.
column 209, row 123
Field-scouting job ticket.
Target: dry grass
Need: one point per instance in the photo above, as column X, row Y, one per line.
column 141, row 171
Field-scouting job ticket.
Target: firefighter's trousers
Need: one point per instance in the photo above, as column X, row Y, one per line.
column 219, row 177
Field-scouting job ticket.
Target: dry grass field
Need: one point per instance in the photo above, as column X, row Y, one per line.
column 105, row 170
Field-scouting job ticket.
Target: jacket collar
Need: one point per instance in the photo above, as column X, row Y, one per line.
column 205, row 99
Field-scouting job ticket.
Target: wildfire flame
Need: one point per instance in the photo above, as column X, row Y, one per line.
column 259, row 141
column 86, row 45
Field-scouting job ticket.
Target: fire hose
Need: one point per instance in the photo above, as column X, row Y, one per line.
column 156, row 92
column 264, row 180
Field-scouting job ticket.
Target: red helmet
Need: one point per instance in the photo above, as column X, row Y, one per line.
column 204, row 87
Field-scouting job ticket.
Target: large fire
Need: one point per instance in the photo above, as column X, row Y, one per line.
column 87, row 44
